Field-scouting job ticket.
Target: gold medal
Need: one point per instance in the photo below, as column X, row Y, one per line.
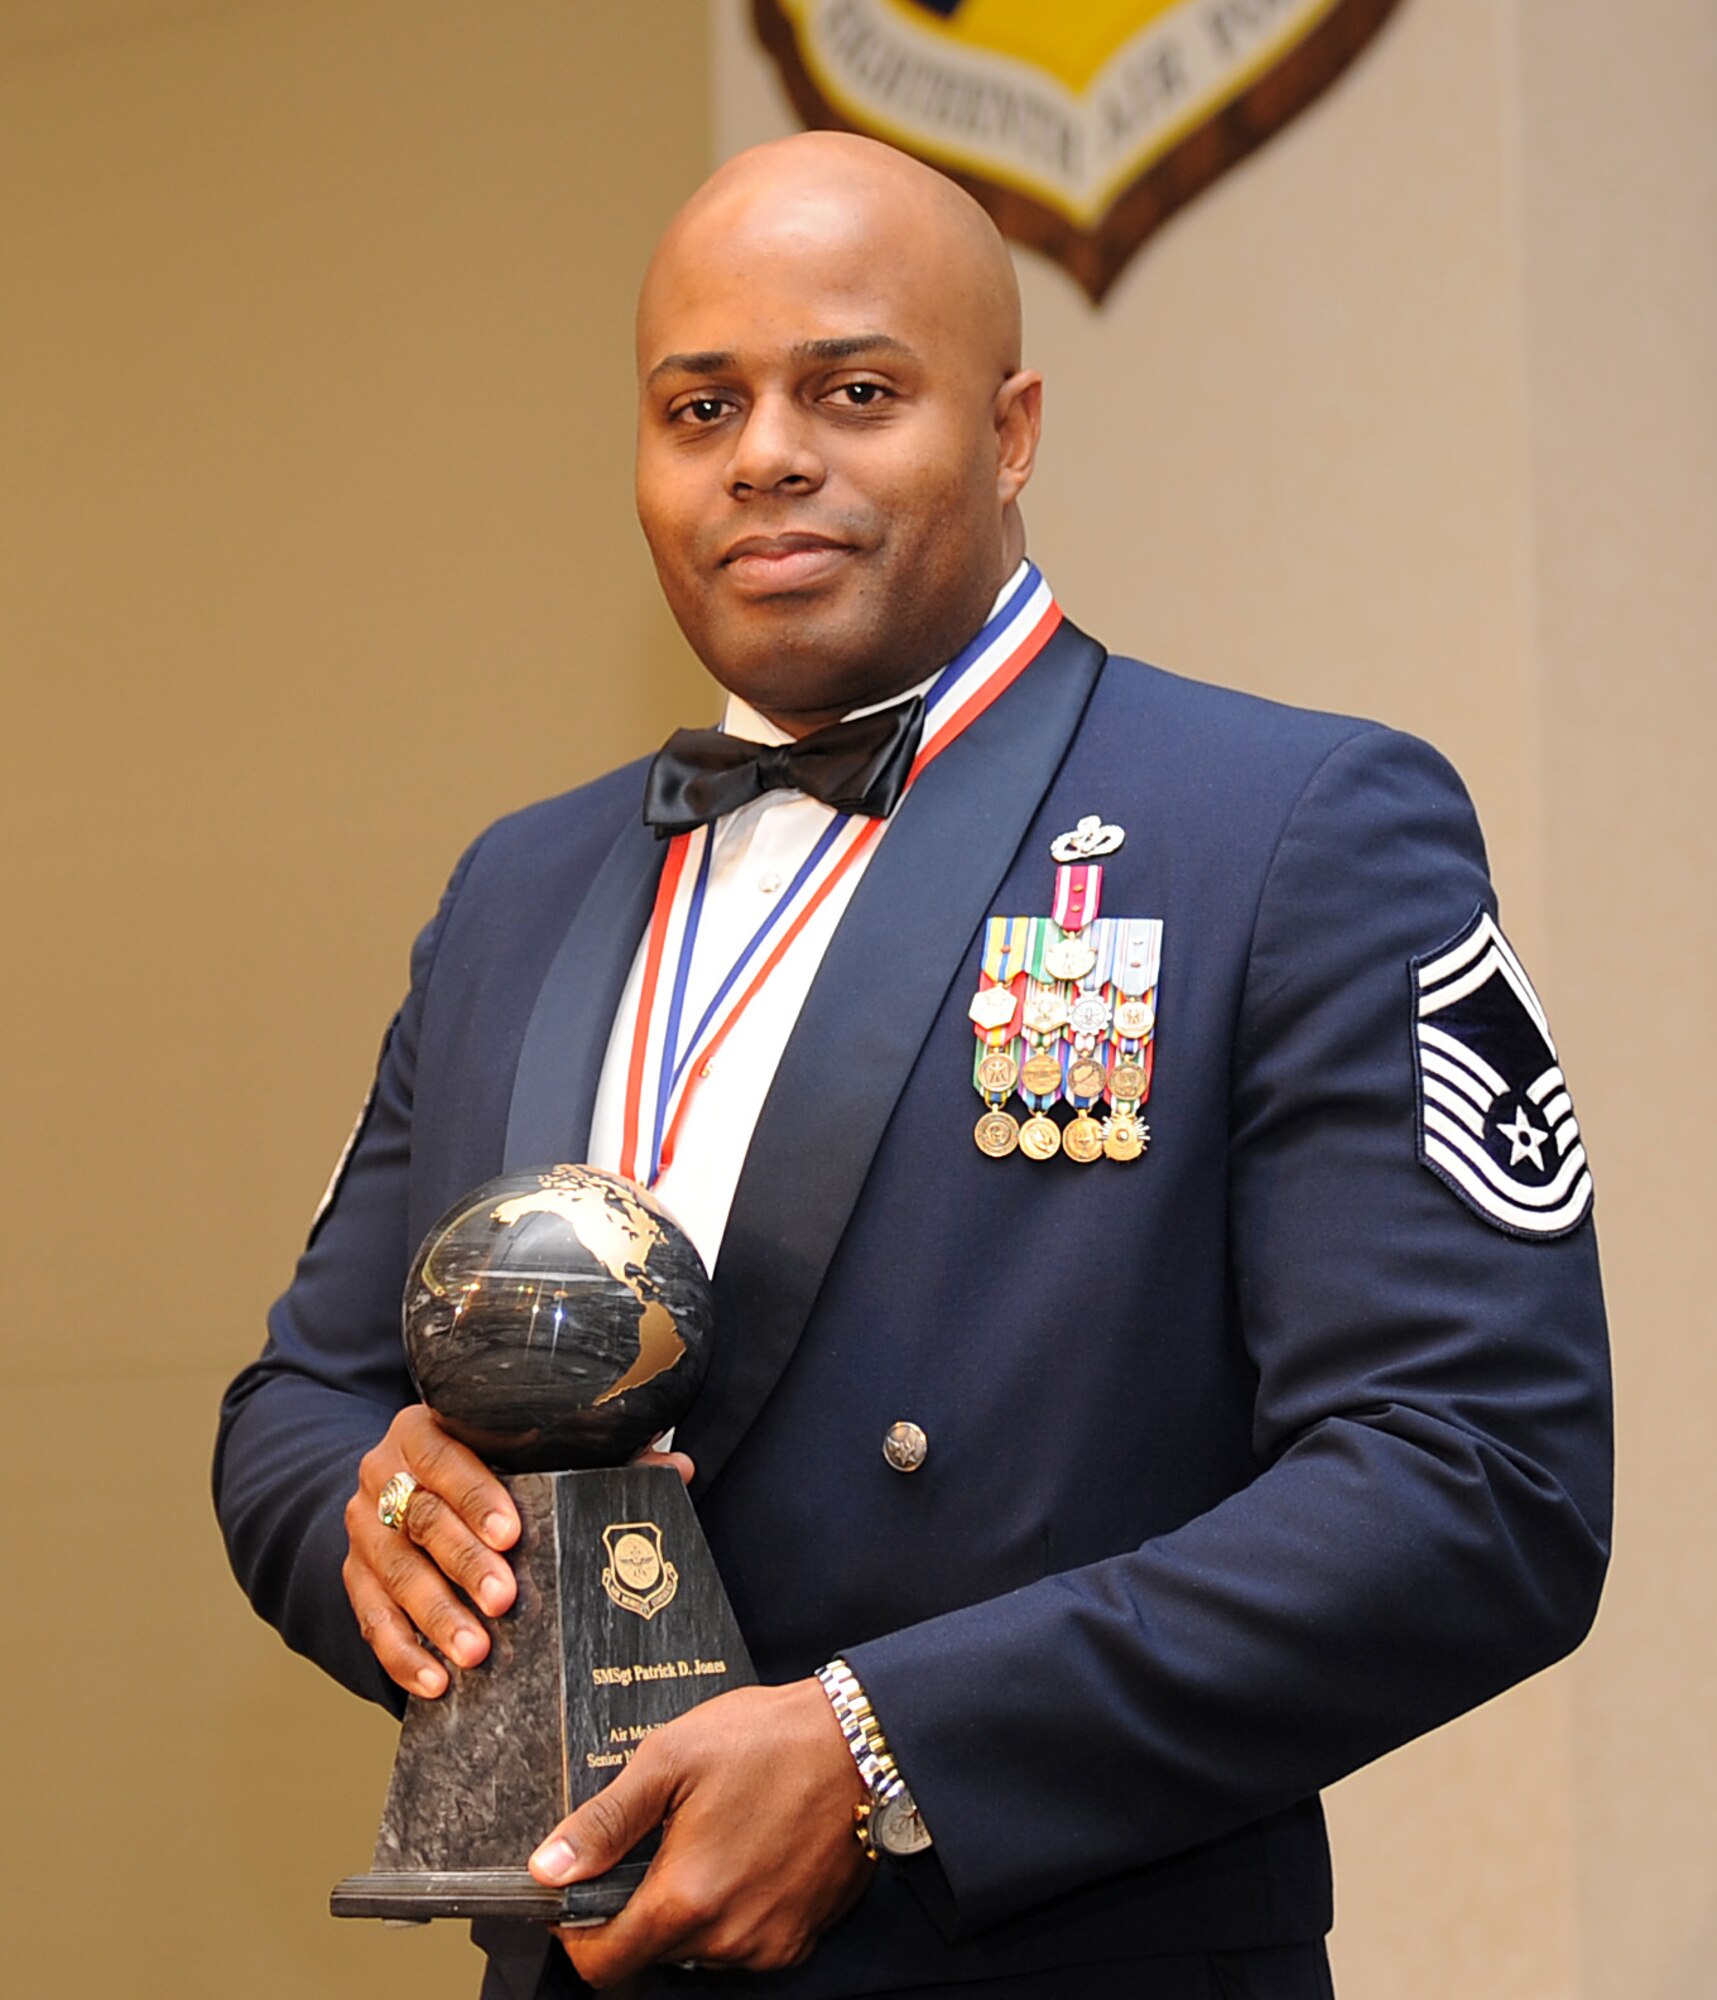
column 1125, row 1138
column 1087, row 1080
column 1045, row 1011
column 996, row 1134
column 1135, row 1019
column 1127, row 1081
column 1041, row 1075
column 997, row 1074
column 1089, row 1015
column 1040, row 1137
column 993, row 1008
column 1069, row 958
column 1083, row 1139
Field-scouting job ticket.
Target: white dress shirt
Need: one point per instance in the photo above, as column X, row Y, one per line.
column 757, row 851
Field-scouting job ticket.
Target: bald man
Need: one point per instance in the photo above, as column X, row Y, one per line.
column 1091, row 1488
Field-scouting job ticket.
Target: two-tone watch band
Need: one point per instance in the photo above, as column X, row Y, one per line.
column 888, row 1820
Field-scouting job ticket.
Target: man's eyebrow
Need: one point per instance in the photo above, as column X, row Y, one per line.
column 848, row 347
column 711, row 362
column 841, row 347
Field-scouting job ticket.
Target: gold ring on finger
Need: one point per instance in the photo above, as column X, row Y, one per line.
column 395, row 1503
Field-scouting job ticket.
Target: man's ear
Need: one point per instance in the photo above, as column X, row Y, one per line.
column 1019, row 422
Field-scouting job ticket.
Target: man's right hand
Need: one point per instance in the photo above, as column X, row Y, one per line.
column 457, row 1524
column 402, row 1582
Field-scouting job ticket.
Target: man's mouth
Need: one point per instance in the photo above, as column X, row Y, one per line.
column 765, row 564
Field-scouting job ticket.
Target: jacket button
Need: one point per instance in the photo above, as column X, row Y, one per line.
column 905, row 1447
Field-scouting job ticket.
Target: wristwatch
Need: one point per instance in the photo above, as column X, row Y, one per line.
column 887, row 1821
column 895, row 1825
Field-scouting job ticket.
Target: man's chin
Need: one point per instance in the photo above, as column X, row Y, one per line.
column 801, row 667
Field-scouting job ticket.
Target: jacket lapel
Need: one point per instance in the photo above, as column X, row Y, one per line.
column 560, row 1062
column 925, row 893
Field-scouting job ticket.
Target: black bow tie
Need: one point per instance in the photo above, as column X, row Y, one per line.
column 857, row 766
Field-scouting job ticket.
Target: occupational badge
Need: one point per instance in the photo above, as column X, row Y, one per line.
column 1496, row 1122
column 1065, row 1017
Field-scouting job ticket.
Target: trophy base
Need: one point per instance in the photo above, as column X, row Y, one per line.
column 620, row 1625
column 404, row 1897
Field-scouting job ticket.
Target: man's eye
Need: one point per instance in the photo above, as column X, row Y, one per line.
column 861, row 395
column 701, row 410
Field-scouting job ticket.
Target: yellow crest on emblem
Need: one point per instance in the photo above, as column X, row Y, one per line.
column 638, row 1577
column 1081, row 129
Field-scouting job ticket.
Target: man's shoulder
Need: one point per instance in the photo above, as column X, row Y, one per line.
column 1220, row 720
column 597, row 809
column 542, row 856
column 1211, row 735
column 563, row 837
column 1210, row 752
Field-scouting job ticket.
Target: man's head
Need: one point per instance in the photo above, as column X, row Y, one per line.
column 833, row 424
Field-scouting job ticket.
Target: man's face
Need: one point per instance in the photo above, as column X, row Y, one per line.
column 822, row 447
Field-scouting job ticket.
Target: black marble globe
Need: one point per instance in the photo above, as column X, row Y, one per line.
column 557, row 1318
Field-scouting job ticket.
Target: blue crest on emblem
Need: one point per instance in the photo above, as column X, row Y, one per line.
column 1496, row 1122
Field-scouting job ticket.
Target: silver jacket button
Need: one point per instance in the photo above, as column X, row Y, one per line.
column 905, row 1447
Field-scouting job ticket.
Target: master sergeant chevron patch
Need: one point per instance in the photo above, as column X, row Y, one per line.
column 1496, row 1121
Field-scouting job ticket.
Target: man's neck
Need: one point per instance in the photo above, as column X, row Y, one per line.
column 774, row 726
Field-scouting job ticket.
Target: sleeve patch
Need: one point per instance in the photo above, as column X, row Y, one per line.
column 1495, row 1120
column 341, row 1164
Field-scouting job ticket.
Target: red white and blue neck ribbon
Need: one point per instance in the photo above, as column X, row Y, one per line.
column 670, row 1054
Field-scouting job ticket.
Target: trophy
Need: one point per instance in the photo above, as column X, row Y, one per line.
column 555, row 1321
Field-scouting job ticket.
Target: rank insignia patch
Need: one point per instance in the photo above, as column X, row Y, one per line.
column 1495, row 1118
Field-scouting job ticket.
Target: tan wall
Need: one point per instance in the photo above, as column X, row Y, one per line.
column 1414, row 416
column 316, row 552
column 314, row 538
column 1619, row 210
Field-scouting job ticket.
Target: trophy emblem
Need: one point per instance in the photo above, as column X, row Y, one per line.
column 639, row 1577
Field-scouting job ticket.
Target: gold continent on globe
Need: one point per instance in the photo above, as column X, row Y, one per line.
column 556, row 1318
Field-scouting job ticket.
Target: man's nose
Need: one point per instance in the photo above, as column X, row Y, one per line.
column 775, row 448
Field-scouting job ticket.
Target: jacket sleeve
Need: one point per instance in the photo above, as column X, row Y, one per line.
column 1429, row 1520
column 332, row 1375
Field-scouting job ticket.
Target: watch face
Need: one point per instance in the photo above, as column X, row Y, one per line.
column 897, row 1827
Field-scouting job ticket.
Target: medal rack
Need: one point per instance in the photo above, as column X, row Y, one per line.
column 1065, row 1018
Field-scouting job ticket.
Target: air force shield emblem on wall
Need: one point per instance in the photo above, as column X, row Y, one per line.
column 1081, row 129
column 1495, row 1118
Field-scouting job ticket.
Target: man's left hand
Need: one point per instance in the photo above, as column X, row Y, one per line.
column 754, row 1792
